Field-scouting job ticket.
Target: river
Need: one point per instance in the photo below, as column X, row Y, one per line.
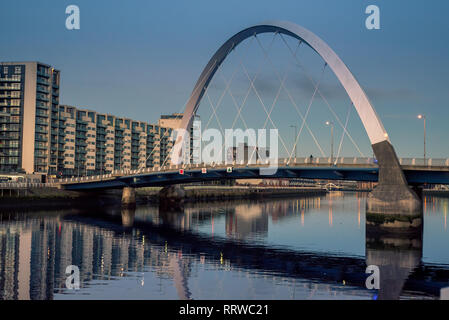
column 289, row 248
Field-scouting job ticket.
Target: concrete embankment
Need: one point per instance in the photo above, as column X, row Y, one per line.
column 56, row 198
column 40, row 198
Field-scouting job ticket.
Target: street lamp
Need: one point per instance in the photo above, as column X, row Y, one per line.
column 294, row 138
column 421, row 116
column 331, row 124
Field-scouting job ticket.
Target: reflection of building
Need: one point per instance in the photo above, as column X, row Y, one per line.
column 34, row 255
column 246, row 220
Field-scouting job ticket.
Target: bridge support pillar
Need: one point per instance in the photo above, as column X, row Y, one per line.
column 392, row 205
column 172, row 197
column 128, row 197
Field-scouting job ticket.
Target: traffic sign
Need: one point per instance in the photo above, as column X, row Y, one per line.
column 181, row 171
column 203, row 170
column 229, row 169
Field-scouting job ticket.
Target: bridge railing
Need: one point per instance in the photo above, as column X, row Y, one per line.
column 432, row 162
column 26, row 185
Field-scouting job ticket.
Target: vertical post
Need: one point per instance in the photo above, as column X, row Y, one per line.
column 421, row 116
column 331, row 124
column 294, row 138
column 332, row 143
column 425, row 162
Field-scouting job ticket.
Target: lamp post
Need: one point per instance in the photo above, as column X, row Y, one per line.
column 331, row 124
column 421, row 116
column 294, row 138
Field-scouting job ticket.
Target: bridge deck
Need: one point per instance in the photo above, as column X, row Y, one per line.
column 415, row 174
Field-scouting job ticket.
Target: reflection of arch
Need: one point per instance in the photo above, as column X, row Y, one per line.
column 367, row 114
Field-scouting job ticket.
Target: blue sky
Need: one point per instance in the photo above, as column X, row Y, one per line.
column 141, row 58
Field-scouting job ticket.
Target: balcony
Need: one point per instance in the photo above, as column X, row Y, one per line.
column 14, row 78
column 41, row 89
column 15, row 86
column 41, row 105
column 40, row 154
column 41, row 139
column 39, row 130
column 81, row 144
column 42, row 122
column 43, row 81
column 42, row 98
column 40, row 113
column 43, row 74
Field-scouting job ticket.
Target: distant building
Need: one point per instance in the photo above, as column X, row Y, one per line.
column 173, row 121
column 246, row 154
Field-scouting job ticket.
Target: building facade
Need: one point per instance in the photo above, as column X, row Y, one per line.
column 38, row 135
column 95, row 143
column 29, row 98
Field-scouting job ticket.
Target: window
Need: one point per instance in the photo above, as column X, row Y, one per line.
column 18, row 70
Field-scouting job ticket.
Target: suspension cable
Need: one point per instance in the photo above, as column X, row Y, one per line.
column 326, row 101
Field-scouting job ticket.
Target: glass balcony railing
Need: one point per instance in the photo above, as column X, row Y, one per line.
column 43, row 74
column 43, row 81
column 41, row 89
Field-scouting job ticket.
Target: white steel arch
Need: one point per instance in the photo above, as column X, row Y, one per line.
column 371, row 121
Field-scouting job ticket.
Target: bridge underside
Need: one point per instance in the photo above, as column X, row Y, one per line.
column 413, row 176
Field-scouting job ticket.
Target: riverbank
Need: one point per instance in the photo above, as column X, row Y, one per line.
column 41, row 198
column 436, row 193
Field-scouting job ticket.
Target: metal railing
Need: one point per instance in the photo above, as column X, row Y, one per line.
column 319, row 161
column 26, row 185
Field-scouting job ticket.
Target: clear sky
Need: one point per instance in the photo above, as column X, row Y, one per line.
column 141, row 58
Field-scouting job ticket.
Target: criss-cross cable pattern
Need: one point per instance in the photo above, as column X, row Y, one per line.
column 268, row 107
column 324, row 99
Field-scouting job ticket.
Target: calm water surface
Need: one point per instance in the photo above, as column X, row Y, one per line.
column 296, row 248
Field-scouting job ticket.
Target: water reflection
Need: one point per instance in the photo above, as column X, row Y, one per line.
column 239, row 246
column 396, row 255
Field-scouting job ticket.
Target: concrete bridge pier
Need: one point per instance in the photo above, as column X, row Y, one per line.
column 129, row 197
column 392, row 205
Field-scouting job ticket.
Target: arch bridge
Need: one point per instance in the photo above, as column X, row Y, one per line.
column 392, row 194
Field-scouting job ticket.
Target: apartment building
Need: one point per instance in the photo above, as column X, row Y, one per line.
column 37, row 135
column 96, row 143
column 29, row 98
